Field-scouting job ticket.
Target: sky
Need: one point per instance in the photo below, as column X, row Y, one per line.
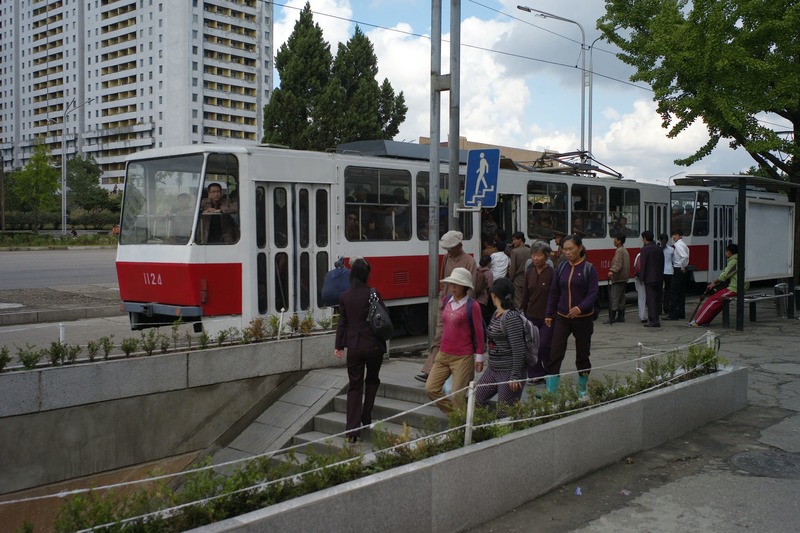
column 520, row 80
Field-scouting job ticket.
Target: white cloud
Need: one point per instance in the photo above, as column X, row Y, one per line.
column 516, row 101
column 334, row 30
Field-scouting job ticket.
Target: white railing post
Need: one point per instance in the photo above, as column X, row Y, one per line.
column 470, row 413
column 61, row 333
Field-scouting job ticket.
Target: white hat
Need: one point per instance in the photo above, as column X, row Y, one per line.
column 451, row 239
column 460, row 276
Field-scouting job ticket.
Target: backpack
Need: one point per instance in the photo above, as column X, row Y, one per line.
column 378, row 318
column 586, row 266
column 531, row 338
column 471, row 325
column 337, row 280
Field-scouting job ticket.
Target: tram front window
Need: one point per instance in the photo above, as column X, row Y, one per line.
column 168, row 200
column 160, row 201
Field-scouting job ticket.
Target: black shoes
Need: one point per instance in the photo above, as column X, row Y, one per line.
column 649, row 325
column 422, row 377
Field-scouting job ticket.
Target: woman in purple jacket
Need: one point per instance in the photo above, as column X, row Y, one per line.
column 364, row 350
column 570, row 309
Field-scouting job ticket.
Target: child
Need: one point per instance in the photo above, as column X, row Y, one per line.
column 499, row 259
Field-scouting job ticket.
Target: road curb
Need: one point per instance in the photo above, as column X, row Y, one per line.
column 58, row 315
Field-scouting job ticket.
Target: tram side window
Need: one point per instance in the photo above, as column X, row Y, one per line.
column 377, row 204
column 624, row 215
column 588, row 211
column 219, row 206
column 423, row 206
column 701, row 215
column 547, row 209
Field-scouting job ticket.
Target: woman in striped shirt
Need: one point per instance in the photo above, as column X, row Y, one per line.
column 506, row 373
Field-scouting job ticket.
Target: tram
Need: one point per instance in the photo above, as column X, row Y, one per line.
column 221, row 234
column 706, row 209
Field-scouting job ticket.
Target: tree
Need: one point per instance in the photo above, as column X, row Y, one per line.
column 303, row 64
column 354, row 106
column 37, row 182
column 83, row 181
column 729, row 63
column 321, row 103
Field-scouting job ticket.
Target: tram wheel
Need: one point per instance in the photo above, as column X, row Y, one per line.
column 416, row 319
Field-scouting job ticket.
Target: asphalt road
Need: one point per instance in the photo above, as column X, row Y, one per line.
column 56, row 268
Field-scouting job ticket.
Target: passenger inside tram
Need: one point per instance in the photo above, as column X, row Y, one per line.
column 216, row 223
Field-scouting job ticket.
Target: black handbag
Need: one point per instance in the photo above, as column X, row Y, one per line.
column 378, row 318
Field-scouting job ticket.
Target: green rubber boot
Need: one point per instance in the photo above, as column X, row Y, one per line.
column 552, row 383
column 582, row 381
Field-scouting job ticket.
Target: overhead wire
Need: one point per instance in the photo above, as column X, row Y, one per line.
column 494, row 51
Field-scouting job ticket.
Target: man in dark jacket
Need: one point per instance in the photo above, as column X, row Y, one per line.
column 651, row 273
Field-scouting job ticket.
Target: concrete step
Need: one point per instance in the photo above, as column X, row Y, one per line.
column 319, row 442
column 335, row 422
column 415, row 394
column 428, row 417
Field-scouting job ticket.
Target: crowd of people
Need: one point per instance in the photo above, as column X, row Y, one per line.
column 486, row 302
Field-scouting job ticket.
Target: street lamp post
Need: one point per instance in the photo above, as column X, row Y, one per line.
column 545, row 14
column 591, row 84
column 69, row 108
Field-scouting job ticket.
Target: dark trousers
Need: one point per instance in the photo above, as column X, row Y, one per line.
column 653, row 296
column 616, row 296
column 360, row 392
column 678, row 295
column 668, row 293
column 581, row 328
column 545, row 341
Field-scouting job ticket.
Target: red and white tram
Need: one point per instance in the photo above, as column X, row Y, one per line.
column 706, row 209
column 280, row 218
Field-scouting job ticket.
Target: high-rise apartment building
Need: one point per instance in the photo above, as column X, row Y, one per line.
column 118, row 76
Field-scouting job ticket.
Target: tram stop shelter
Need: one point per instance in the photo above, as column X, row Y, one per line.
column 759, row 233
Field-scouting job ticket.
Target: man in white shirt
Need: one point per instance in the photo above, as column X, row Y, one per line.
column 666, row 245
column 680, row 264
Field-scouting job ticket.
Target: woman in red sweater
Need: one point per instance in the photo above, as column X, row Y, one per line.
column 462, row 339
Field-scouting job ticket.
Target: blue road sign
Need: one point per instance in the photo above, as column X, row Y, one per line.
column 480, row 187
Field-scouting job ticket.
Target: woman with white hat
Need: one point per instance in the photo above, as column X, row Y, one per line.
column 463, row 339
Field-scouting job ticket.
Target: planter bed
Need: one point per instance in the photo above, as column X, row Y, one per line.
column 464, row 488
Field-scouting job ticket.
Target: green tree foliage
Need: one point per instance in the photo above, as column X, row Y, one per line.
column 303, row 63
column 83, row 181
column 726, row 63
column 322, row 103
column 37, row 183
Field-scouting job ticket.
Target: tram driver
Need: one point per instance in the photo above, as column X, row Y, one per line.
column 217, row 224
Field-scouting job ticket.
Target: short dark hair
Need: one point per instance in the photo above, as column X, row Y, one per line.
column 647, row 235
column 677, row 231
column 620, row 237
column 518, row 235
column 500, row 245
column 732, row 248
column 485, row 261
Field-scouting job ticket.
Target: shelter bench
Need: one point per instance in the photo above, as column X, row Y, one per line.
column 754, row 299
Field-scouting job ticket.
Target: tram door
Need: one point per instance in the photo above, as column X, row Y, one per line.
column 506, row 214
column 655, row 218
column 293, row 246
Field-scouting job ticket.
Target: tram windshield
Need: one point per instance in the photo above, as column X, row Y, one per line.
column 164, row 197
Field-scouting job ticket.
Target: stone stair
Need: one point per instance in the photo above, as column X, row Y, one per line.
column 323, row 434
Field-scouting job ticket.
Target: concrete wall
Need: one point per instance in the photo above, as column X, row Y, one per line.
column 65, row 422
column 467, row 487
